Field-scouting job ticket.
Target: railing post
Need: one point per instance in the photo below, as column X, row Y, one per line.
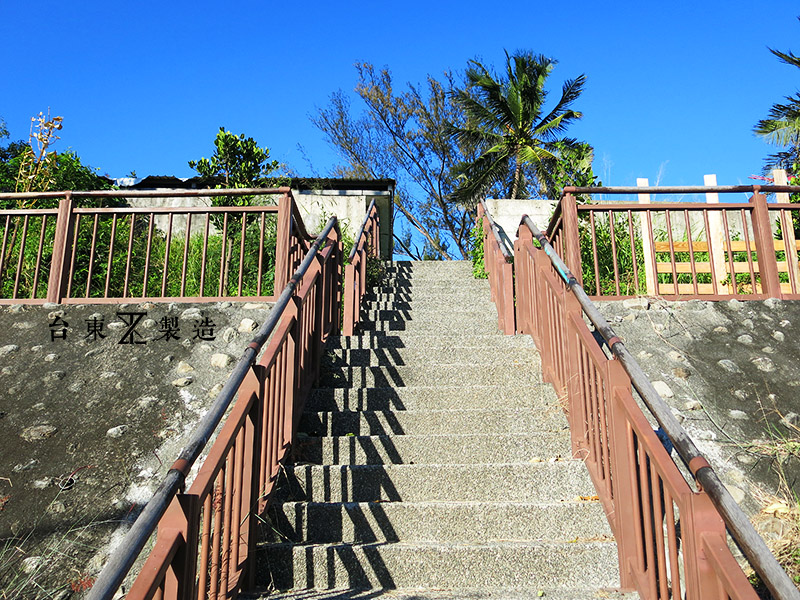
column 623, row 477
column 716, row 244
column 62, row 246
column 572, row 237
column 789, row 240
column 765, row 247
column 647, row 241
column 283, row 243
column 522, row 282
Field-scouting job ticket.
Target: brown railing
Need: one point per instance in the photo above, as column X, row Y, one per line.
column 76, row 254
column 206, row 534
column 711, row 250
column 671, row 537
column 367, row 244
column 499, row 266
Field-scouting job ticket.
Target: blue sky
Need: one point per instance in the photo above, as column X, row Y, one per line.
column 674, row 88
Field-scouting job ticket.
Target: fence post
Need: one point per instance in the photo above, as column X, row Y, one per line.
column 647, row 242
column 522, row 283
column 716, row 244
column 572, row 238
column 765, row 247
column 789, row 240
column 283, row 243
column 62, row 246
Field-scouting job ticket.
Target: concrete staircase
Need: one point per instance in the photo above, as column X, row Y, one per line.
column 434, row 463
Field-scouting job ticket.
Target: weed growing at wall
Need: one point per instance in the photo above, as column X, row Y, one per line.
column 476, row 253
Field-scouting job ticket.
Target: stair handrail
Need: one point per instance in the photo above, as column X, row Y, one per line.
column 124, row 556
column 742, row 530
column 499, row 266
column 367, row 242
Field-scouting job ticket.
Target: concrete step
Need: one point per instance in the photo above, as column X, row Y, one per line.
column 430, row 422
column 476, row 356
column 415, row 398
column 421, row 304
column 520, row 374
column 461, row 315
column 437, row 324
column 390, row 565
column 461, row 593
column 516, row 482
column 413, row 339
column 431, row 449
column 459, row 295
column 448, row 522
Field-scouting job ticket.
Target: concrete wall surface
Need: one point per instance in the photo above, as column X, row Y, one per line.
column 507, row 214
column 316, row 207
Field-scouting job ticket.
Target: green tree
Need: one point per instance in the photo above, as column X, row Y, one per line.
column 237, row 162
column 507, row 120
column 782, row 125
column 402, row 135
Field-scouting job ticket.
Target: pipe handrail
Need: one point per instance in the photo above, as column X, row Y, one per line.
column 114, row 572
column 496, row 232
column 147, row 193
column 752, row 545
column 681, row 189
column 360, row 233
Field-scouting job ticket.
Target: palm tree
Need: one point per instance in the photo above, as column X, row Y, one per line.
column 782, row 127
column 505, row 120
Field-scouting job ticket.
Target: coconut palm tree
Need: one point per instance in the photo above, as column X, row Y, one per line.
column 782, row 127
column 507, row 122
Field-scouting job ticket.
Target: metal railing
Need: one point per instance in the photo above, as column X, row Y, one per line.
column 367, row 243
column 499, row 266
column 76, row 254
column 206, row 534
column 671, row 538
column 711, row 250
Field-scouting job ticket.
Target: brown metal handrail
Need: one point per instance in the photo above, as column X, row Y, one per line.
column 367, row 243
column 106, row 255
column 234, row 484
column 498, row 264
column 709, row 250
column 607, row 425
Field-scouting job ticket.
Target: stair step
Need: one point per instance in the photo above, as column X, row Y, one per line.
column 431, row 422
column 461, row 593
column 447, row 522
column 438, row 449
column 519, row 374
column 436, row 324
column 421, row 305
column 516, row 482
column 437, row 566
column 414, row 398
column 411, row 339
column 438, row 355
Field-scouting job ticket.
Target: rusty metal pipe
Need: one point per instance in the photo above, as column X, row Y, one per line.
column 753, row 546
column 496, row 232
column 122, row 560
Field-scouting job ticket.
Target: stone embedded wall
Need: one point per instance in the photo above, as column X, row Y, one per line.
column 91, row 423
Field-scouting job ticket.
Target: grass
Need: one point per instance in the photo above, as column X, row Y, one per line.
column 106, row 266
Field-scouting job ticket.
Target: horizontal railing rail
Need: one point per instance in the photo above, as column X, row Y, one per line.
column 711, row 250
column 671, row 539
column 498, row 264
column 367, row 243
column 89, row 254
column 206, row 533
